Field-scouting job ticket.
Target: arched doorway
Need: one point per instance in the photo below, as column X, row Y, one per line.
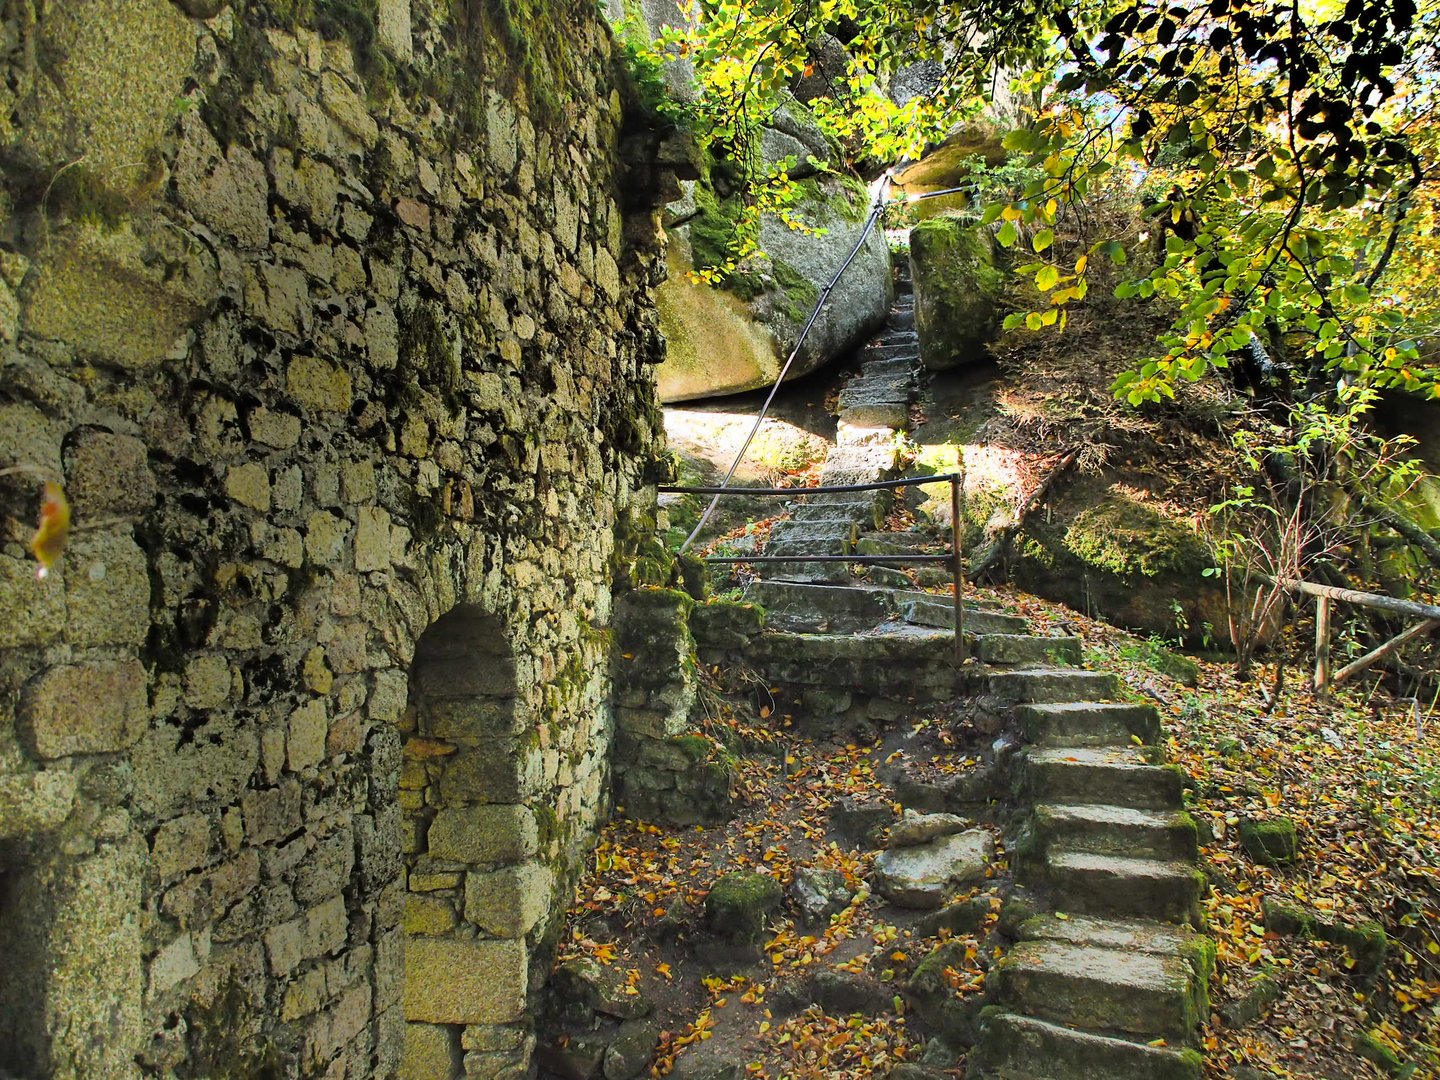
column 476, row 890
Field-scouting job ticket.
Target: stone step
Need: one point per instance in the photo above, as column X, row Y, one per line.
column 1132, row 935
column 797, row 546
column 1116, row 830
column 1014, row 1047
column 907, row 350
column 1091, row 884
column 1044, row 685
column 1120, row 776
column 1088, row 723
column 902, row 543
column 879, row 387
column 1028, row 649
column 894, row 336
column 898, row 367
column 930, row 609
column 839, row 609
column 836, row 529
column 867, row 508
column 887, row 413
column 901, row 319
column 857, row 465
column 807, row 573
column 903, row 662
column 1146, row 995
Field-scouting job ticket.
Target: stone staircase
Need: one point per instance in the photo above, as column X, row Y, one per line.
column 1111, row 983
column 873, row 406
column 1107, row 974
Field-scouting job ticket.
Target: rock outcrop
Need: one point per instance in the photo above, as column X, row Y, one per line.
column 735, row 337
column 958, row 289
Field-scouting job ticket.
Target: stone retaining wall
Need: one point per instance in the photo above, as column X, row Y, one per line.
column 334, row 320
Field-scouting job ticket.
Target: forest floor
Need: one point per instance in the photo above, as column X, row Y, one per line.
column 1359, row 775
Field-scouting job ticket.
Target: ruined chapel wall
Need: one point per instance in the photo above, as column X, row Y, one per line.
column 334, row 320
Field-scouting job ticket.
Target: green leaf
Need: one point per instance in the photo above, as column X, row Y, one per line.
column 1043, row 239
column 1007, row 235
column 992, row 212
column 1046, row 278
column 1033, row 321
column 1020, row 139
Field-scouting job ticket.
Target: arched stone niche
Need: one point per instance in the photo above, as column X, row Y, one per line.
column 478, row 891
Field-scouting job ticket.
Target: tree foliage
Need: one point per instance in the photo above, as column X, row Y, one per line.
column 1286, row 155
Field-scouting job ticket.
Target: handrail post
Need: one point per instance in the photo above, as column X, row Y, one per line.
column 957, row 568
column 1322, row 647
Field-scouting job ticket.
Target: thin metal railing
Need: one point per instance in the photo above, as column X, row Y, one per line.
column 954, row 557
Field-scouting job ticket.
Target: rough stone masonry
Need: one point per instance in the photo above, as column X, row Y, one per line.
column 334, row 319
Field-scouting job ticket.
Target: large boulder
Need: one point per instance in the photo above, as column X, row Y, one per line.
column 952, row 164
column 958, row 290
column 736, row 337
column 1104, row 549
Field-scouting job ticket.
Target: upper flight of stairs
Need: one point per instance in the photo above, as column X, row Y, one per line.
column 872, row 407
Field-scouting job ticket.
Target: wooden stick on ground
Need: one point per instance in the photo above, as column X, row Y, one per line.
column 1380, row 652
column 996, row 551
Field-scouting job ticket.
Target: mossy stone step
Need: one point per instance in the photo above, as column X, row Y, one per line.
column 1116, row 830
column 1089, row 723
column 1119, row 776
column 1091, row 884
column 1149, row 995
column 900, row 663
column 929, row 609
column 1130, row 935
column 844, row 608
column 1013, row 1047
column 1015, row 650
column 1045, row 685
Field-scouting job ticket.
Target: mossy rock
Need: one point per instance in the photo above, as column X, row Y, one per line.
column 1126, row 537
column 958, row 288
column 739, row 904
column 727, row 624
column 1273, row 841
column 1368, row 942
column 1117, row 556
column 1377, row 1053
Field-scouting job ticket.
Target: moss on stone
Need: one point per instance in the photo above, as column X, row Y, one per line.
column 429, row 361
column 1273, row 842
column 1368, row 944
column 1377, row 1053
column 958, row 289
column 1125, row 537
column 696, row 748
column 738, row 905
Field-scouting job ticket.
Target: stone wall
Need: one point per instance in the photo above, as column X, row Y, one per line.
column 334, row 319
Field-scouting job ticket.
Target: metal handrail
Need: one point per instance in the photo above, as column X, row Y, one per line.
column 955, row 556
